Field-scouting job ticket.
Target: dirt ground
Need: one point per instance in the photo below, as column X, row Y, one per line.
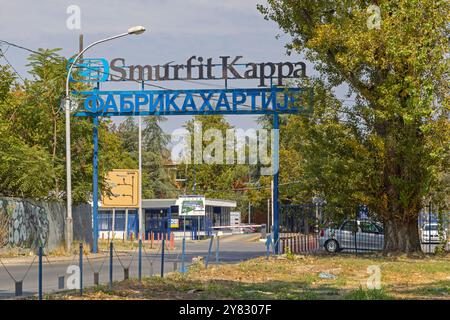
column 293, row 277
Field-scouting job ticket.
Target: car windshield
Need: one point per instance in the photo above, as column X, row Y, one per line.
column 431, row 227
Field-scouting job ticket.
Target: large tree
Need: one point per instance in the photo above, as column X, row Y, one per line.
column 398, row 75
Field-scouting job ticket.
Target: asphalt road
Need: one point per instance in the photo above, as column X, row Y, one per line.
column 231, row 250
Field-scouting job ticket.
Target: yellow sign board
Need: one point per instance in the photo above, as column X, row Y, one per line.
column 124, row 186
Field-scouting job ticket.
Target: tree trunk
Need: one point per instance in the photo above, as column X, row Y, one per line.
column 401, row 236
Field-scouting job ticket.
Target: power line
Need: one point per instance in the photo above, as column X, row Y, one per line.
column 12, row 67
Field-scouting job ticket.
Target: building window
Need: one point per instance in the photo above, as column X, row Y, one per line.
column 105, row 221
column 119, row 222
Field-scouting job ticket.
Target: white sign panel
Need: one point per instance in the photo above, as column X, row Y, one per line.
column 191, row 205
column 235, row 218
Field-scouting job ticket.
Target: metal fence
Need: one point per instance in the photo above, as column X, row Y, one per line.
column 118, row 260
column 313, row 228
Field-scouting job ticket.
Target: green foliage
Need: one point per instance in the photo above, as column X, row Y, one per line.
column 156, row 178
column 215, row 180
column 32, row 135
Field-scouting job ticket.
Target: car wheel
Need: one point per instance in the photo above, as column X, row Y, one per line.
column 332, row 246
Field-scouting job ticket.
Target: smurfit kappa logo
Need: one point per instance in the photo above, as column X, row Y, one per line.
column 90, row 70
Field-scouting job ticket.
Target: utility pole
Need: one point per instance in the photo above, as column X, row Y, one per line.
column 249, row 212
column 268, row 216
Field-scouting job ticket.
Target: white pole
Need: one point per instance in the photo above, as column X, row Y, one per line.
column 69, row 224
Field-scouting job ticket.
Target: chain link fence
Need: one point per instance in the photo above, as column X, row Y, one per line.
column 307, row 228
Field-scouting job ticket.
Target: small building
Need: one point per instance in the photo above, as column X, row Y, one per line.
column 162, row 215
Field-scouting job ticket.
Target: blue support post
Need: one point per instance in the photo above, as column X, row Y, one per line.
column 162, row 251
column 140, row 261
column 183, row 255
column 169, row 221
column 110, row 265
column 95, row 187
column 81, row 269
column 275, row 166
column 40, row 273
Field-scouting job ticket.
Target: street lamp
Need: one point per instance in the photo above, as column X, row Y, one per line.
column 69, row 228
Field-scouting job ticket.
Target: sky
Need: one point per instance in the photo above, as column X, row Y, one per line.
column 176, row 30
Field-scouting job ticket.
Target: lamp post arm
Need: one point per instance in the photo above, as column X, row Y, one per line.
column 83, row 51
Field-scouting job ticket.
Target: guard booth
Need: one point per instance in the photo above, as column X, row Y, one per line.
column 166, row 213
column 157, row 215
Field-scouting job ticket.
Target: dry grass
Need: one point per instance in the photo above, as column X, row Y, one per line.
column 298, row 278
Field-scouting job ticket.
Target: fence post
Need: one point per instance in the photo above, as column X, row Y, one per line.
column 183, row 254
column 429, row 230
column 96, row 278
column 209, row 251
column 268, row 241
column 140, row 261
column 81, row 269
column 162, row 253
column 217, row 249
column 40, row 273
column 110, row 264
column 18, row 288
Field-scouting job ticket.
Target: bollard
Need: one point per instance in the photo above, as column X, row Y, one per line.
column 19, row 288
column 151, row 240
column 81, row 269
column 175, row 266
column 294, row 244
column 183, row 255
column 290, row 243
column 110, row 265
column 96, row 278
column 217, row 249
column 40, row 274
column 140, row 261
column 126, row 273
column 61, row 281
column 172, row 242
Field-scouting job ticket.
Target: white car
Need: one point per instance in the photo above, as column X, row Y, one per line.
column 430, row 233
column 353, row 235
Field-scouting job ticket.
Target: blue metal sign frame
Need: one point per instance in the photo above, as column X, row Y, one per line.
column 249, row 101
column 162, row 103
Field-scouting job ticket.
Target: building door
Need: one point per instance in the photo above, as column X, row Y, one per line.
column 133, row 224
